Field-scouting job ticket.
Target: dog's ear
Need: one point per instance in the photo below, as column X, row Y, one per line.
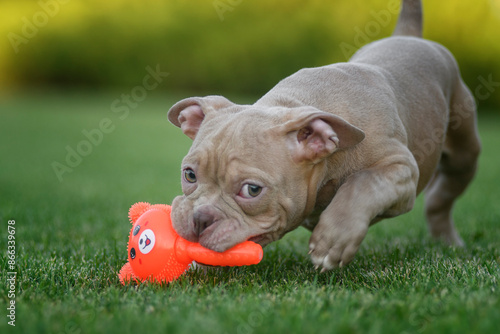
column 188, row 114
column 314, row 135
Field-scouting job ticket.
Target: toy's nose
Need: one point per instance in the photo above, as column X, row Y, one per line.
column 203, row 218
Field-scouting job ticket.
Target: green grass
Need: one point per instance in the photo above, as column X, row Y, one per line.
column 71, row 241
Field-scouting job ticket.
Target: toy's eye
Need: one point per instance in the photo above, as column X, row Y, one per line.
column 132, row 253
column 136, row 230
column 250, row 191
column 189, row 175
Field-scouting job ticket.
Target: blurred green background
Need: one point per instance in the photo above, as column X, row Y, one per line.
column 240, row 47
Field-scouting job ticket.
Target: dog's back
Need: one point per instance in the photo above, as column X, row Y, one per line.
column 424, row 77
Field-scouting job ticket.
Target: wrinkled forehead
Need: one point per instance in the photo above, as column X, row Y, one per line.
column 249, row 137
column 239, row 129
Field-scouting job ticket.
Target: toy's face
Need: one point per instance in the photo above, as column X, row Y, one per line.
column 147, row 241
column 150, row 243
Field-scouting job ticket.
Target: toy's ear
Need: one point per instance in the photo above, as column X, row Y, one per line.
column 137, row 210
column 313, row 135
column 188, row 114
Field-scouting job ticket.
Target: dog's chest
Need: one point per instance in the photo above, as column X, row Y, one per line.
column 324, row 197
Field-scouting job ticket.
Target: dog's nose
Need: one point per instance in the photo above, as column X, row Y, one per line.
column 202, row 218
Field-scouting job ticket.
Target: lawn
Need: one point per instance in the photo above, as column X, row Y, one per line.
column 71, row 227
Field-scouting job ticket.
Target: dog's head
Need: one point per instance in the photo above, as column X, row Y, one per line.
column 252, row 173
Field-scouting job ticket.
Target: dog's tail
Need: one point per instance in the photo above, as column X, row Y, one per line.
column 410, row 19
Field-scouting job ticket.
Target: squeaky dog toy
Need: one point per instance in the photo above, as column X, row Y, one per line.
column 156, row 253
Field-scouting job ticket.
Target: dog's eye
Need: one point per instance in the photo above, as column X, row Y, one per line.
column 189, row 175
column 250, row 191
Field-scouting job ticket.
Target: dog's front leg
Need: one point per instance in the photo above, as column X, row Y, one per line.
column 385, row 190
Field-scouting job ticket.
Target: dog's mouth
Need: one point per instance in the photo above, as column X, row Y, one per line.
column 257, row 239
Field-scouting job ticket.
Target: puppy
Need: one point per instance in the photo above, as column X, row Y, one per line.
column 334, row 148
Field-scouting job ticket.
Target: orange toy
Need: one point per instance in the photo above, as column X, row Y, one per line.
column 157, row 253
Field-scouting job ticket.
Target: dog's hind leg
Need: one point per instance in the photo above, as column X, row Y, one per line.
column 456, row 168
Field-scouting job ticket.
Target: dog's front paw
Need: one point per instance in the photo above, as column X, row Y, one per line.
column 335, row 246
